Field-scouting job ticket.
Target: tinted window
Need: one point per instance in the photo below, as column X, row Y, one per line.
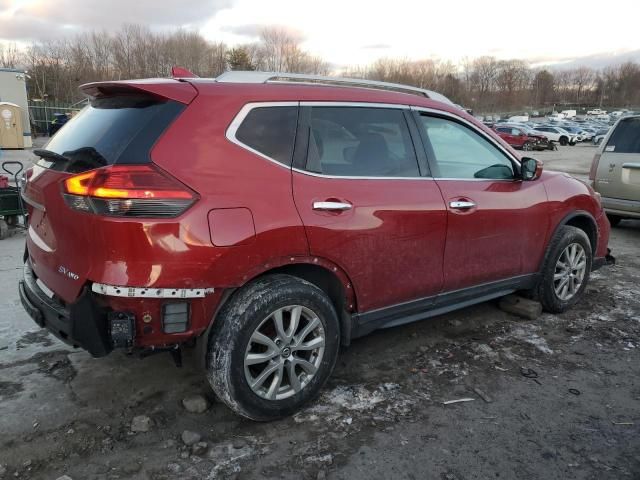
column 270, row 131
column 360, row 142
column 504, row 130
column 459, row 152
column 115, row 129
column 626, row 137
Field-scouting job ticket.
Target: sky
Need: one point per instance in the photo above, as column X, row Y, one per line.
column 356, row 32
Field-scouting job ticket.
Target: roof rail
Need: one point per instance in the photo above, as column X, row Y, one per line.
column 275, row 77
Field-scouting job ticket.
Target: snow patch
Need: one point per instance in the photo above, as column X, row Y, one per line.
column 528, row 336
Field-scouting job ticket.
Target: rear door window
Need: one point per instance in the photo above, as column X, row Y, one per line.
column 626, row 137
column 270, row 131
column 360, row 142
column 112, row 130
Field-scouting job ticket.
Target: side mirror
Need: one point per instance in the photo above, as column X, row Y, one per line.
column 530, row 168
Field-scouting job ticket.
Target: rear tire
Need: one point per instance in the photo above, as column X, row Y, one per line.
column 527, row 147
column 564, row 141
column 614, row 220
column 567, row 264
column 4, row 229
column 266, row 365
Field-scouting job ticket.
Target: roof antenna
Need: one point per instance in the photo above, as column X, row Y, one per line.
column 181, row 72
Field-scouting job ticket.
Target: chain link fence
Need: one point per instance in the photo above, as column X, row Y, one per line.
column 43, row 113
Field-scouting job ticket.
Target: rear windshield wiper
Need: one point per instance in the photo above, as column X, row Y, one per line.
column 80, row 160
column 49, row 155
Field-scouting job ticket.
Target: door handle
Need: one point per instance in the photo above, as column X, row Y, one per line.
column 462, row 205
column 332, row 206
column 635, row 166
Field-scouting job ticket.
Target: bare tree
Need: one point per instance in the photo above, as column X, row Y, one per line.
column 583, row 79
column 483, row 77
column 56, row 68
column 10, row 56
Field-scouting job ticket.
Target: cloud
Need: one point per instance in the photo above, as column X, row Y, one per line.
column 249, row 30
column 597, row 60
column 254, row 30
column 377, row 46
column 49, row 19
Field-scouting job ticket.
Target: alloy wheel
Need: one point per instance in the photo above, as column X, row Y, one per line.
column 570, row 271
column 284, row 352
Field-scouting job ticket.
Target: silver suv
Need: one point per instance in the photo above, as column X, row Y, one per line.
column 615, row 171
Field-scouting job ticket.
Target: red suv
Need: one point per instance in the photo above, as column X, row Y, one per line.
column 271, row 218
column 519, row 138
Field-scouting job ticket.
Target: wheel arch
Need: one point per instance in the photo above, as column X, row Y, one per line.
column 323, row 273
column 580, row 219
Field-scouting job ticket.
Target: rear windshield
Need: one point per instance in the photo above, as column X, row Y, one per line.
column 114, row 130
column 626, row 137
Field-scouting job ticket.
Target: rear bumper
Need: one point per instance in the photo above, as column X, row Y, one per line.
column 81, row 324
column 623, row 208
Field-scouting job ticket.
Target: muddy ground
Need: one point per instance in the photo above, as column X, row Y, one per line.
column 554, row 398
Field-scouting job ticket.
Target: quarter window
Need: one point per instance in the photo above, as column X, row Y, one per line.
column 459, row 152
column 270, row 131
column 360, row 142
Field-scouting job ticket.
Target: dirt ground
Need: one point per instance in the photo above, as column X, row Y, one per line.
column 554, row 398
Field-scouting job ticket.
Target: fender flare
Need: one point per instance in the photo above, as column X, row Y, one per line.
column 566, row 219
column 344, row 317
column 294, row 260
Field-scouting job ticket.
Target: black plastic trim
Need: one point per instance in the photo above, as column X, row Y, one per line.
column 423, row 308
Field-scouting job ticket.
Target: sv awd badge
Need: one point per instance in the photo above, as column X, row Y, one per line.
column 68, row 273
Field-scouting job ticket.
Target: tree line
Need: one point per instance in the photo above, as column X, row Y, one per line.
column 486, row 84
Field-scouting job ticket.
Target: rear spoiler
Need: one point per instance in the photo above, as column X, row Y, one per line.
column 170, row 89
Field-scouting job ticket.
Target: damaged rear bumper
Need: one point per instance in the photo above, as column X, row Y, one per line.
column 80, row 324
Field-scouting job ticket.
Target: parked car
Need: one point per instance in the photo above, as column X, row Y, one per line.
column 556, row 134
column 518, row 118
column 59, row 119
column 519, row 137
column 575, row 131
column 615, row 171
column 556, row 117
column 587, row 132
column 599, row 136
column 596, row 111
column 270, row 218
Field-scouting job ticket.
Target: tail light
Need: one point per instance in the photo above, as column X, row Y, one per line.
column 127, row 191
column 594, row 167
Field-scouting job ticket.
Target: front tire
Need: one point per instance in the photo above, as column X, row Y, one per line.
column 527, row 147
column 566, row 269
column 273, row 347
column 564, row 141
